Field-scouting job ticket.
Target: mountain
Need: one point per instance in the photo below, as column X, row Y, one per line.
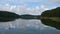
column 6, row 16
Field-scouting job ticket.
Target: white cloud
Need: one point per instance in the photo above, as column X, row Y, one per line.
column 7, row 7
column 44, row 7
column 23, row 9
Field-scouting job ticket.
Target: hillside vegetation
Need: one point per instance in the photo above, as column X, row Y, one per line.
column 51, row 13
column 51, row 17
column 6, row 16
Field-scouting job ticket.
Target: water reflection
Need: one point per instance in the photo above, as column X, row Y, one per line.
column 30, row 26
column 22, row 23
column 51, row 22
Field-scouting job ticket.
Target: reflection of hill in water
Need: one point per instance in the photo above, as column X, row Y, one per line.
column 49, row 22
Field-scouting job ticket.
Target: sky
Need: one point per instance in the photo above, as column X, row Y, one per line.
column 34, row 7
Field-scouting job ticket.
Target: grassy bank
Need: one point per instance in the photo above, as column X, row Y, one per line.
column 57, row 19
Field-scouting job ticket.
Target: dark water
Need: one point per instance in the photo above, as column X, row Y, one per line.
column 52, row 23
column 22, row 26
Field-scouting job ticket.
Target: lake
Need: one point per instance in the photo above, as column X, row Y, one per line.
column 23, row 26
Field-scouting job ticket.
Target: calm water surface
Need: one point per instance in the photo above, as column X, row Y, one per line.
column 23, row 26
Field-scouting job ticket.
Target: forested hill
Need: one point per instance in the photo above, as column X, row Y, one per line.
column 6, row 16
column 51, row 13
column 51, row 18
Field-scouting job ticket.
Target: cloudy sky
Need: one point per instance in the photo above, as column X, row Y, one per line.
column 34, row 7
